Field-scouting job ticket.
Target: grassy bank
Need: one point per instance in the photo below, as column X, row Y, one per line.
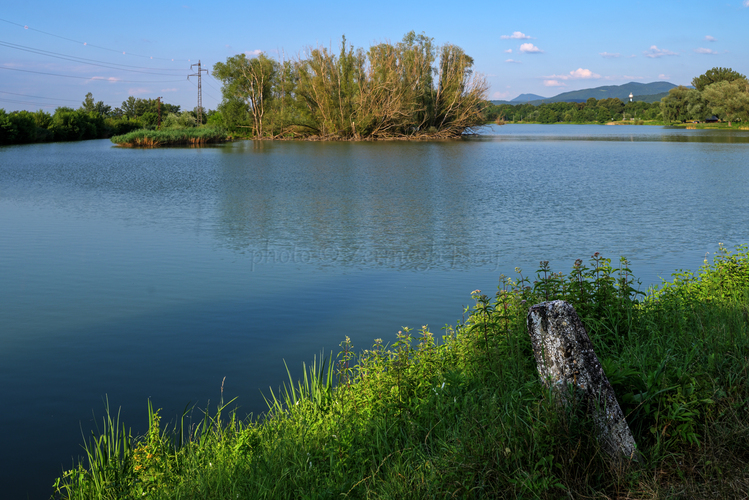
column 172, row 137
column 466, row 416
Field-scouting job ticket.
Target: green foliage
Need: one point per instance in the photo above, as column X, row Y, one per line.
column 729, row 100
column 90, row 106
column 17, row 127
column 467, row 417
column 135, row 107
column 716, row 75
column 75, row 125
column 682, row 104
column 179, row 121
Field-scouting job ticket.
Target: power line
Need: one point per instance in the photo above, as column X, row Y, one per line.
column 94, row 62
column 26, row 27
column 209, row 95
column 43, row 105
column 38, row 96
column 96, row 78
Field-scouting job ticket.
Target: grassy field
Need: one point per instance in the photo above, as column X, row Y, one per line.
column 171, row 137
column 465, row 416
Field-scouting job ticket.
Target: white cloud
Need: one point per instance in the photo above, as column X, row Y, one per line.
column 529, row 48
column 709, row 38
column 654, row 52
column 501, row 95
column 663, row 77
column 553, row 83
column 703, row 50
column 583, row 73
column 578, row 74
column 516, row 35
column 255, row 52
column 508, row 51
column 170, row 90
column 610, row 56
column 746, row 3
column 104, row 78
column 512, row 61
column 138, row 91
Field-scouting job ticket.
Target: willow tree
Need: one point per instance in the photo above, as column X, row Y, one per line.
column 460, row 93
column 249, row 80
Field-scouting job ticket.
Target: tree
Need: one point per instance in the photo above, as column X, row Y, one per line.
column 89, row 106
column 250, row 80
column 136, row 107
column 716, row 75
column 676, row 105
column 130, row 107
column 729, row 100
column 17, row 127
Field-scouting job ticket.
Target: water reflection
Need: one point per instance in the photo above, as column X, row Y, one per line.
column 360, row 205
column 616, row 133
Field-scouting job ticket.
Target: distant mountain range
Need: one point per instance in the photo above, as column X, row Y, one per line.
column 648, row 92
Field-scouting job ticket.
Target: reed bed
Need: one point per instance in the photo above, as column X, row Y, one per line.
column 172, row 137
column 466, row 416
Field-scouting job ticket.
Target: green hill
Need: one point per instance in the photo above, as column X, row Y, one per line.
column 613, row 91
column 527, row 98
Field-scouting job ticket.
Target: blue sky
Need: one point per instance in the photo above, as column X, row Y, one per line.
column 540, row 47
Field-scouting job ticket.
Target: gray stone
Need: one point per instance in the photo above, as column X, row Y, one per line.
column 565, row 359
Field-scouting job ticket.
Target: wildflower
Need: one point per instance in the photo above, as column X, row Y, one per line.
column 475, row 292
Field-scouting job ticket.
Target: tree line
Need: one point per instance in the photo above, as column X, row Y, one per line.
column 410, row 89
column 590, row 111
column 721, row 92
column 92, row 120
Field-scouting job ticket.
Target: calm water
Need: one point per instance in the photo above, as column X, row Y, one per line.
column 137, row 274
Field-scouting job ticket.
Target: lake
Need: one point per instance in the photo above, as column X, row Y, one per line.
column 137, row 274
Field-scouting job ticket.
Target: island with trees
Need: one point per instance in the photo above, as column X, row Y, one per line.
column 408, row 90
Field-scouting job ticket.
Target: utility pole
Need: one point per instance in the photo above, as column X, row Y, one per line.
column 200, row 90
column 158, row 105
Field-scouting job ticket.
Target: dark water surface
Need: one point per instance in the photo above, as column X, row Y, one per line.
column 136, row 274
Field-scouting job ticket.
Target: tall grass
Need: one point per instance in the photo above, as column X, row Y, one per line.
column 466, row 416
column 171, row 137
